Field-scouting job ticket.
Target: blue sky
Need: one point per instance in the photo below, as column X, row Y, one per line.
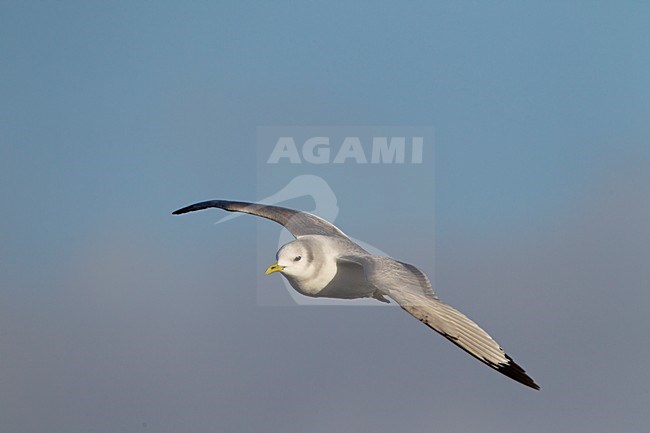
column 116, row 316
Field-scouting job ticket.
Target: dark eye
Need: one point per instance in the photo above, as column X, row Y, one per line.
column 297, row 258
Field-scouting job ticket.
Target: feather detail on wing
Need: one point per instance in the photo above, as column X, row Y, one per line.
column 297, row 222
column 411, row 289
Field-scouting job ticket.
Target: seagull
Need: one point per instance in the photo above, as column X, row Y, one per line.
column 325, row 205
column 324, row 262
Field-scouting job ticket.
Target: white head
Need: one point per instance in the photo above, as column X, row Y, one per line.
column 308, row 263
column 295, row 259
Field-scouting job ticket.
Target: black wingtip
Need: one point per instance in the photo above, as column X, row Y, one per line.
column 186, row 209
column 515, row 372
column 200, row 206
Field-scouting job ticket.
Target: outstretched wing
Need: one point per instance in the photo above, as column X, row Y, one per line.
column 297, row 222
column 410, row 288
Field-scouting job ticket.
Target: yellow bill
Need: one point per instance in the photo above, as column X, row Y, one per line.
column 273, row 268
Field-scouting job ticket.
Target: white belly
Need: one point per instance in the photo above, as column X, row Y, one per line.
column 329, row 277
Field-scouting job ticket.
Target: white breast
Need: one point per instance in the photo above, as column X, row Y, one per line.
column 322, row 272
column 322, row 269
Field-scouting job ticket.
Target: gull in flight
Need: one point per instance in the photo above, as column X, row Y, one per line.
column 325, row 205
column 324, row 262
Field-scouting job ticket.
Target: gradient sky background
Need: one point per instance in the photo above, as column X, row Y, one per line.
column 117, row 317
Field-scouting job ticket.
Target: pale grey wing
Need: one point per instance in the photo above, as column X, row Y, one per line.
column 297, row 222
column 405, row 285
column 383, row 269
